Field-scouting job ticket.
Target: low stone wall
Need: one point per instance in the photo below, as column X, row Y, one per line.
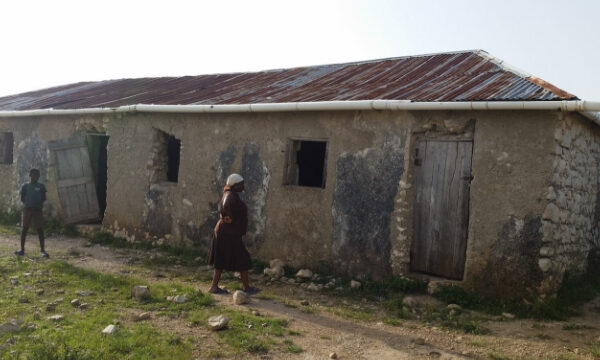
column 570, row 220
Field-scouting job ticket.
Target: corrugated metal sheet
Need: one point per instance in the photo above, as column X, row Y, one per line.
column 459, row 76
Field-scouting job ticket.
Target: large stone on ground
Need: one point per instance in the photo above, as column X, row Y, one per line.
column 217, row 322
column 110, row 329
column 276, row 263
column 56, row 317
column 11, row 326
column 240, row 297
column 354, row 284
column 143, row 316
column 274, row 272
column 304, row 274
column 140, row 292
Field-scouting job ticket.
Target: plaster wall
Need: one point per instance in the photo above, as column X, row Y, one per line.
column 30, row 150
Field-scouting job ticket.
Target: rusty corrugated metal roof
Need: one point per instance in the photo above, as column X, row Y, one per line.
column 458, row 76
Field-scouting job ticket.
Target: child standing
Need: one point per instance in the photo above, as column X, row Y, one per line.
column 33, row 196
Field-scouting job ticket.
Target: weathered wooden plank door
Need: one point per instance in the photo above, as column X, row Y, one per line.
column 441, row 211
column 76, row 187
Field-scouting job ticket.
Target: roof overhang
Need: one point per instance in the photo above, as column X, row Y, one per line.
column 589, row 109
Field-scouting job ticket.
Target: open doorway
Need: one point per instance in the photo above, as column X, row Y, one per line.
column 97, row 148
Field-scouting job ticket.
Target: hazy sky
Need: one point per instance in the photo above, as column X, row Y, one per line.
column 49, row 43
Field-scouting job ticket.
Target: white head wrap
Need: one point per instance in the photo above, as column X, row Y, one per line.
column 234, row 179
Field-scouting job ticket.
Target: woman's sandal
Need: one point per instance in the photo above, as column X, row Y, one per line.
column 219, row 291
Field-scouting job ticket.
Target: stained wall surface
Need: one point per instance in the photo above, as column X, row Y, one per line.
column 360, row 223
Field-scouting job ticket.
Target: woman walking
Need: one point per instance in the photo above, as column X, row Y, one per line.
column 227, row 249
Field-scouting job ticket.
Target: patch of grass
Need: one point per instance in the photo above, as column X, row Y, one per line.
column 354, row 314
column 538, row 326
column 594, row 349
column 54, row 226
column 259, row 266
column 392, row 321
column 79, row 334
column 574, row 292
column 543, row 336
column 294, row 333
column 577, row 327
column 291, row 347
column 478, row 343
column 324, row 337
column 465, row 325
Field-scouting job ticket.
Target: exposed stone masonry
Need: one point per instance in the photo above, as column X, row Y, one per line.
column 568, row 227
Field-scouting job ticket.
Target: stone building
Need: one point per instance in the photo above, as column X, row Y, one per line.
column 451, row 165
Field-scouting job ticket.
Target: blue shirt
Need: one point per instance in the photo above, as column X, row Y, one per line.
column 33, row 195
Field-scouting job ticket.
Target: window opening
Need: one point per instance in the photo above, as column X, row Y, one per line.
column 173, row 151
column 165, row 158
column 6, row 147
column 307, row 163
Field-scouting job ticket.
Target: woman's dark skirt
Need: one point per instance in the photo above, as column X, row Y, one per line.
column 227, row 252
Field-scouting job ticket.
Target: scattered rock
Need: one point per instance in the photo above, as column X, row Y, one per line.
column 508, row 316
column 31, row 326
column 276, row 263
column 110, row 329
column 11, row 326
column 312, row 287
column 51, row 307
column 101, row 302
column 56, row 317
column 454, row 307
column 255, row 313
column 180, row 299
column 217, row 322
column 304, row 274
column 39, row 292
column 140, row 292
column 73, row 252
column 143, row 316
column 59, row 300
column 75, row 302
column 14, row 281
column 60, row 291
column 435, row 354
column 199, row 259
column 84, row 306
column 37, row 315
column 275, row 273
column 27, row 274
column 23, row 300
column 354, row 284
column 85, row 293
column 333, row 355
column 240, row 297
column 304, row 303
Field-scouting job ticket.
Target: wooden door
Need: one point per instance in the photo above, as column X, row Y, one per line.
column 441, row 208
column 74, row 177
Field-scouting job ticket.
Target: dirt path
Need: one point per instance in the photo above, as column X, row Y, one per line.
column 322, row 332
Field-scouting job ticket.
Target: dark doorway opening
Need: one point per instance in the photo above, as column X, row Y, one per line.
column 97, row 148
column 173, row 152
column 307, row 166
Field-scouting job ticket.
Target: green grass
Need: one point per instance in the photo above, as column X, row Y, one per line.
column 498, row 356
column 292, row 348
column 574, row 292
column 570, row 327
column 78, row 335
column 594, row 349
column 10, row 225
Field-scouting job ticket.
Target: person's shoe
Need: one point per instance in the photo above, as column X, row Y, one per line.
column 19, row 252
column 219, row 291
column 45, row 254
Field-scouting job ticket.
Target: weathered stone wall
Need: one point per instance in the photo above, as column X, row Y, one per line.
column 30, row 150
column 570, row 222
column 511, row 168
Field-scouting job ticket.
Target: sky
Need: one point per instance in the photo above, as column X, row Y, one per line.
column 51, row 43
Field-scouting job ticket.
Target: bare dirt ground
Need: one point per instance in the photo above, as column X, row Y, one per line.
column 321, row 332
